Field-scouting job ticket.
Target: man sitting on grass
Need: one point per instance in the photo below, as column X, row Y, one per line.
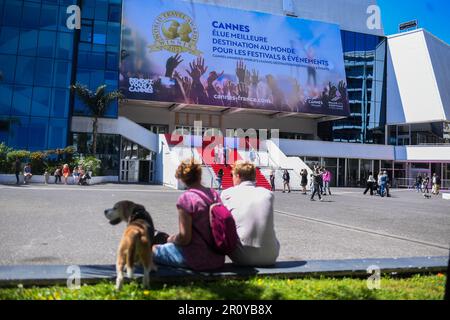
column 252, row 209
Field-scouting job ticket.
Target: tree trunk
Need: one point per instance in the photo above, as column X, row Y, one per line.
column 94, row 135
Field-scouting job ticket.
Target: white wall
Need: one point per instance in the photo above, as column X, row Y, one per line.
column 364, row 151
column 422, row 153
column 440, row 56
column 121, row 126
column 413, row 93
column 351, row 15
column 336, row 150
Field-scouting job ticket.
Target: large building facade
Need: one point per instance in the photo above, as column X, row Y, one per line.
column 394, row 124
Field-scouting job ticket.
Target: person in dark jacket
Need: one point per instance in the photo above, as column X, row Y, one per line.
column 272, row 180
column 304, row 182
column 286, row 181
column 17, row 167
column 220, row 178
column 316, row 177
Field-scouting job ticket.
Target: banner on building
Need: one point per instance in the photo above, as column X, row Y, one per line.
column 188, row 53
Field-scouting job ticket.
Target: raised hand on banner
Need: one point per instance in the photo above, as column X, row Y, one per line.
column 198, row 69
column 248, row 78
column 332, row 91
column 241, row 71
column 213, row 76
column 243, row 90
column 255, row 78
column 342, row 87
column 172, row 63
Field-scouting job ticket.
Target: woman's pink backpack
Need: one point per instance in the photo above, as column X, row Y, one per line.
column 223, row 226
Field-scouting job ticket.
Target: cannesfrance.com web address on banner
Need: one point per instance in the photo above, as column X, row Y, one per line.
column 271, row 62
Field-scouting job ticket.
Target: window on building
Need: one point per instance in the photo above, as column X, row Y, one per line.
column 21, row 101
column 60, row 103
column 18, row 133
column 38, row 134
column 9, row 40
column 31, row 15
column 12, row 14
column 87, row 31
column 7, row 68
column 49, row 17
column 41, row 102
column 6, row 93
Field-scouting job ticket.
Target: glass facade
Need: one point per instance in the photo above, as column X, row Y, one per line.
column 39, row 59
column 108, row 150
column 419, row 134
column 98, row 49
column 36, row 51
column 364, row 57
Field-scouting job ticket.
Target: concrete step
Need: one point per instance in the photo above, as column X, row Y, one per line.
column 45, row 275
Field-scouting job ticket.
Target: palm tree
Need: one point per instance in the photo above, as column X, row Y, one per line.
column 97, row 103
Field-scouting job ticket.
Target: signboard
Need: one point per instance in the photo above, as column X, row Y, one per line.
column 408, row 25
column 189, row 53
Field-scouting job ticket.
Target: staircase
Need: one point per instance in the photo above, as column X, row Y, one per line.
column 227, row 180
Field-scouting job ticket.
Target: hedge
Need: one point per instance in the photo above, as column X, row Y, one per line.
column 49, row 160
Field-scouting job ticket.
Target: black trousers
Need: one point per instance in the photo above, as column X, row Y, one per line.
column 369, row 187
column 17, row 177
column 316, row 190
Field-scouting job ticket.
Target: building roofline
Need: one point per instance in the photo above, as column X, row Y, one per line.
column 415, row 31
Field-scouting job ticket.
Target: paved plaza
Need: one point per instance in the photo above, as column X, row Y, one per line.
column 65, row 224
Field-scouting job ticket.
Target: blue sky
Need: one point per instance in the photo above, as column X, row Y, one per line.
column 433, row 15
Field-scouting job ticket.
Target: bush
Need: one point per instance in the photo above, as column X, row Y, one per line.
column 91, row 163
column 49, row 160
column 4, row 165
column 38, row 162
column 23, row 155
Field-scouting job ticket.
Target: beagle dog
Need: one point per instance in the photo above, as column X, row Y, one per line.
column 136, row 242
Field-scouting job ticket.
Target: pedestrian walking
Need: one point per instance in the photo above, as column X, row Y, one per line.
column 316, row 177
column 326, row 177
column 220, row 178
column 426, row 183
column 321, row 180
column 370, row 184
column 419, row 183
column 383, row 183
column 286, row 181
column 304, row 181
column 272, row 180
column 436, row 184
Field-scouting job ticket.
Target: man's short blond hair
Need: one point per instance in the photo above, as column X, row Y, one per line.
column 245, row 170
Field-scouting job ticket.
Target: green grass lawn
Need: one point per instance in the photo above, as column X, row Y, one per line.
column 416, row 287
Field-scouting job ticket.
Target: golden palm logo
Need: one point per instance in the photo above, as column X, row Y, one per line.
column 175, row 32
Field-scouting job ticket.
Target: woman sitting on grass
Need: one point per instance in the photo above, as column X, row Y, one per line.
column 192, row 247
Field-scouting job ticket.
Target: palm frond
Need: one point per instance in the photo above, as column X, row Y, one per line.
column 100, row 92
column 84, row 94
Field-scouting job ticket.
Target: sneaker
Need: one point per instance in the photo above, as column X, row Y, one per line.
column 321, row 200
column 313, row 200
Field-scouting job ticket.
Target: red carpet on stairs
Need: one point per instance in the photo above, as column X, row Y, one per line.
column 227, row 180
column 233, row 156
